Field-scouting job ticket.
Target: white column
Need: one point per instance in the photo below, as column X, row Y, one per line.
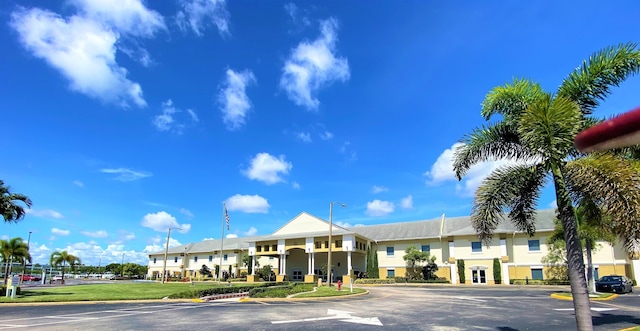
column 253, row 265
column 284, row 264
column 313, row 263
column 308, row 263
column 635, row 267
column 505, row 274
column 349, row 262
column 452, row 268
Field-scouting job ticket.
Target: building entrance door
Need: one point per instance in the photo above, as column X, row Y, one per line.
column 478, row 276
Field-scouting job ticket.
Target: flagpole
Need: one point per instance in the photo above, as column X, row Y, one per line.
column 221, row 243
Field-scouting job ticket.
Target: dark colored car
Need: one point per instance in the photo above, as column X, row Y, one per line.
column 615, row 284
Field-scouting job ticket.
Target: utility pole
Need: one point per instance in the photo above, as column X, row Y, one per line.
column 24, row 262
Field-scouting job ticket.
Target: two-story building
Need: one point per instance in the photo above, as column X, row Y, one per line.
column 299, row 251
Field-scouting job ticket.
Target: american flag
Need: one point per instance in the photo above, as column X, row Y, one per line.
column 226, row 215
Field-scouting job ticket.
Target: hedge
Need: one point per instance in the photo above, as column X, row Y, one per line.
column 375, row 281
column 539, row 282
column 3, row 290
column 218, row 290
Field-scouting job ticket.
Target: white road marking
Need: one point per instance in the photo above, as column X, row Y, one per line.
column 343, row 316
column 470, row 298
column 592, row 308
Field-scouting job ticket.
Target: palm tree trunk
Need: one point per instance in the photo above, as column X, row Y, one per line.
column 590, row 269
column 6, row 271
column 575, row 258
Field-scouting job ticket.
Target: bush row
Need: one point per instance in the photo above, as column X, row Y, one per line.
column 539, row 282
column 281, row 291
column 432, row 281
column 219, row 290
column 375, row 281
column 3, row 290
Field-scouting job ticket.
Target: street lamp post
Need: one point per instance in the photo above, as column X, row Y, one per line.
column 24, row 262
column 329, row 271
column 166, row 251
column 122, row 266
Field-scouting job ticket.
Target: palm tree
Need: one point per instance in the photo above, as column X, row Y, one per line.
column 12, row 250
column 63, row 258
column 536, row 132
column 9, row 208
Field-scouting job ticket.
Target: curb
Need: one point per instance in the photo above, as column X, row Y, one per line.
column 247, row 299
column 223, row 296
column 563, row 297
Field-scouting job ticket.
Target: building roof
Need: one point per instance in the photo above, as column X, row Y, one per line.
column 425, row 229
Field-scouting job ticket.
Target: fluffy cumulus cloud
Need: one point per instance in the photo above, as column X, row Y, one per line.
column 169, row 118
column 248, row 204
column 83, row 46
column 442, row 171
column 44, row 213
column 158, row 244
column 407, row 202
column 251, row 232
column 233, row 99
column 95, row 234
column 60, row 232
column 126, row 175
column 314, row 65
column 162, row 221
column 268, row 168
column 380, row 208
column 346, row 225
column 295, row 185
column 378, row 189
column 197, row 15
column 326, row 135
column 304, row 137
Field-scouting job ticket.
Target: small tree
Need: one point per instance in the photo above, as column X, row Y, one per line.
column 217, row 269
column 246, row 260
column 230, row 269
column 266, row 272
column 205, row 271
column 461, row 276
column 369, row 262
column 429, row 270
column 497, row 272
column 376, row 270
column 556, row 261
column 414, row 257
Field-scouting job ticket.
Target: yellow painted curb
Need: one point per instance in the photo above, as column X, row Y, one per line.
column 564, row 297
column 197, row 300
column 629, row 329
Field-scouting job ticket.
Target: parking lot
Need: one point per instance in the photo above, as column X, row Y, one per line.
column 397, row 308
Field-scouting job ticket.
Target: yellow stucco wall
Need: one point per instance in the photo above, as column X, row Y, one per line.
column 400, row 246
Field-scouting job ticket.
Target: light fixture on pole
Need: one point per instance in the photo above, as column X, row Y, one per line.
column 24, row 261
column 166, row 251
column 329, row 273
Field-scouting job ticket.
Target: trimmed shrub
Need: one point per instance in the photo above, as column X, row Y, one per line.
column 376, row 281
column 281, row 291
column 461, row 275
column 3, row 290
column 497, row 271
column 237, row 280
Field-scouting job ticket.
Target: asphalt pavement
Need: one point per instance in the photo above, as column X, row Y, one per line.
column 385, row 308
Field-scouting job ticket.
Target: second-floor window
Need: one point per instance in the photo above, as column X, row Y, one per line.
column 426, row 248
column 476, row 247
column 390, row 250
column 195, row 259
column 225, row 257
column 534, row 245
column 175, row 259
column 210, row 258
column 338, row 243
column 154, row 260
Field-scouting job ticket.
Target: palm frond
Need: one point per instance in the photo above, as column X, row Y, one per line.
column 493, row 142
column 549, row 125
column 591, row 82
column 513, row 188
column 511, row 99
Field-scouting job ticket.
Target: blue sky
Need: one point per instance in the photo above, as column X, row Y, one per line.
column 123, row 120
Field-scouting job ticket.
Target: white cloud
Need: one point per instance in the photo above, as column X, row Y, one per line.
column 295, row 185
column 348, row 151
column 128, row 16
column 442, row 171
column 162, row 221
column 247, row 204
column 232, row 235
column 83, row 49
column 378, row 189
column 407, row 202
column 186, row 212
column 44, row 213
column 346, row 225
column 126, row 235
column 251, row 232
column 304, row 136
column 553, row 204
column 95, row 234
column 166, row 121
column 268, row 168
column 293, row 12
column 379, row 208
column 78, row 183
column 60, row 232
column 326, row 135
column 312, row 66
column 198, row 14
column 233, row 99
column 126, row 175
column 158, row 245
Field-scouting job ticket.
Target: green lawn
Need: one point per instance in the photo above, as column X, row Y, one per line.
column 105, row 292
column 325, row 291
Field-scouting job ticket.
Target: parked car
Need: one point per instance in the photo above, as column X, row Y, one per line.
column 29, row 278
column 615, row 284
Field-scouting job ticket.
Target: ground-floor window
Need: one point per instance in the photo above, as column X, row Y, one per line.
column 536, row 273
column 391, row 273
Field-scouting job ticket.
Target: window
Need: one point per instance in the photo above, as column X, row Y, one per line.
column 274, row 247
column 258, row 248
column 426, row 248
column 210, row 258
column 326, row 244
column 266, row 248
column 476, row 247
column 318, row 244
column 338, row 243
column 175, row 259
column 225, row 257
column 534, row 245
column 154, row 260
column 390, row 250
column 195, row 259
column 536, row 274
column 391, row 273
